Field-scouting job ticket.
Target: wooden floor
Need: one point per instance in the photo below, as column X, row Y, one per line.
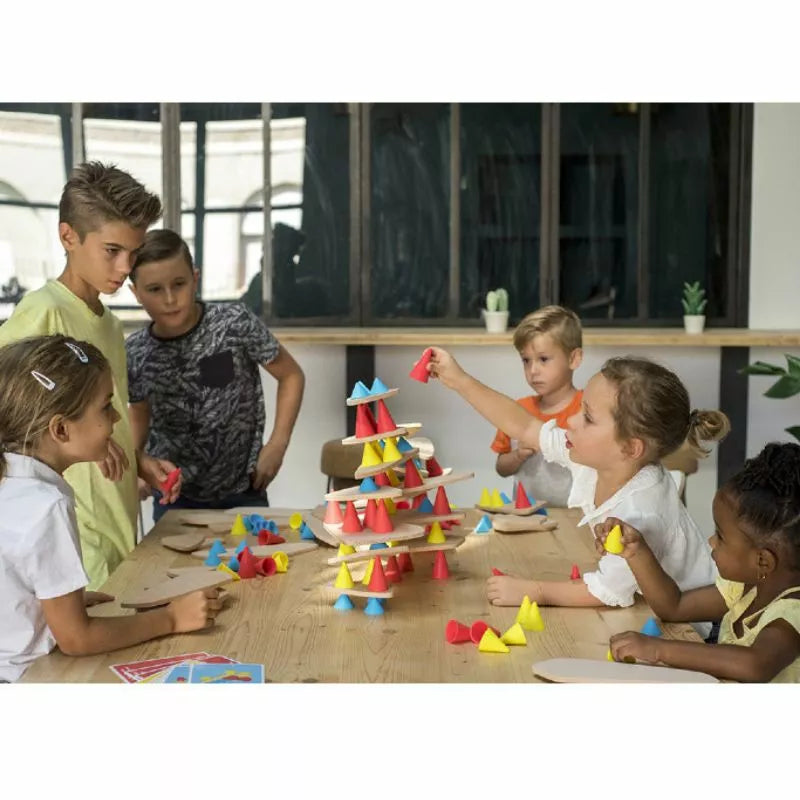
column 287, row 621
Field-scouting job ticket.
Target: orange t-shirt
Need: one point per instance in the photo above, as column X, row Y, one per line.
column 502, row 444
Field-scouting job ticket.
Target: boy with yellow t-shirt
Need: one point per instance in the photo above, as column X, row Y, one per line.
column 549, row 342
column 103, row 216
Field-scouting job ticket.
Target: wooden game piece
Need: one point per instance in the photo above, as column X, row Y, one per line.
column 207, row 519
column 509, row 523
column 374, row 469
column 510, row 508
column 413, row 428
column 261, row 550
column 439, row 480
column 359, row 592
column 585, row 670
column 355, row 493
column 186, row 542
column 374, row 437
column 162, row 591
column 399, row 534
column 422, row 518
column 371, row 398
column 410, row 547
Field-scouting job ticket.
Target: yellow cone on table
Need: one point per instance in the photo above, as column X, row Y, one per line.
column 486, row 498
column 497, row 501
column 344, row 580
column 613, row 543
column 228, row 571
column 281, row 561
column 534, row 621
column 345, row 550
column 524, row 608
column 489, row 643
column 514, row 635
column 238, row 528
column 296, row 521
column 436, row 535
column 371, row 457
column 609, row 656
column 390, row 451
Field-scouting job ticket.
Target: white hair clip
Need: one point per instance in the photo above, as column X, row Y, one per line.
column 78, row 352
column 44, row 380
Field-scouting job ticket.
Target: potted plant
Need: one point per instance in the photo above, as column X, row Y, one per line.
column 495, row 315
column 693, row 306
column 787, row 385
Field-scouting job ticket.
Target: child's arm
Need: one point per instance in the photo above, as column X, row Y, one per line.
column 659, row 590
column 289, row 396
column 501, row 411
column 78, row 634
column 153, row 471
column 775, row 647
column 505, row 590
column 509, row 463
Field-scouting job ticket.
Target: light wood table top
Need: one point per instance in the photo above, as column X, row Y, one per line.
column 287, row 621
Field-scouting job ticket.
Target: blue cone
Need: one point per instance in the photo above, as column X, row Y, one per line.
column 541, row 511
column 359, row 391
column 484, row 525
column 368, row 485
column 373, row 607
column 505, row 498
column 213, row 559
column 344, row 603
column 378, row 545
column 307, row 533
column 271, row 526
column 249, row 523
column 378, row 387
column 217, row 547
column 651, row 628
column 241, row 547
column 426, row 507
column 418, row 463
column 234, row 564
column 402, row 445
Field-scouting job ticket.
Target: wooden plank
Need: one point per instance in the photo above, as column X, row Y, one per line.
column 584, row 670
column 261, row 550
column 506, row 523
column 162, row 590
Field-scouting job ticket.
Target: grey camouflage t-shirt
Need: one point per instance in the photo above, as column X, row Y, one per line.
column 206, row 402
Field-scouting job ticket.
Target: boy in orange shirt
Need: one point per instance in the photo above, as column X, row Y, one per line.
column 549, row 342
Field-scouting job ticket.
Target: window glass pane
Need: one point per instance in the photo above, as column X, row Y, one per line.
column 500, row 205
column 689, row 191
column 598, row 208
column 410, row 217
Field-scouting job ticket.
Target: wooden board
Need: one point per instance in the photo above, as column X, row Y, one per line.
column 584, row 670
column 509, row 508
column 413, row 428
column 371, row 398
column 354, row 493
column 354, row 592
column 413, row 517
column 318, row 529
column 366, row 472
column 206, row 518
column 401, row 471
column 161, row 591
column 186, row 542
column 399, row 534
column 412, row 547
column 261, row 550
column 506, row 523
column 439, row 480
column 399, row 431
column 268, row 512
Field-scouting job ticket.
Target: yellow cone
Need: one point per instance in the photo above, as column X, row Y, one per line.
column 613, row 543
column 436, row 536
column 296, row 521
column 344, row 580
column 370, row 457
column 486, row 499
column 609, row 656
column 497, row 501
column 368, row 574
column 390, row 451
column 238, row 528
column 491, row 644
column 393, row 479
column 345, row 550
column 281, row 561
column 391, row 508
column 524, row 610
column 514, row 635
column 225, row 568
column 534, row 621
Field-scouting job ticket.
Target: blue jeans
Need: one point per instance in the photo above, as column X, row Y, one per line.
column 251, row 497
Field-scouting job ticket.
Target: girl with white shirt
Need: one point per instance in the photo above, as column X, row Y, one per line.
column 55, row 411
column 634, row 412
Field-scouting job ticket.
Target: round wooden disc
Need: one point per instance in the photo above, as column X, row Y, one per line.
column 401, row 533
column 374, row 437
column 371, row 398
column 366, row 472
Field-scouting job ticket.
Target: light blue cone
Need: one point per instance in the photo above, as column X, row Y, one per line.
column 378, row 387
column 484, row 525
column 426, row 507
column 344, row 603
column 359, row 391
column 368, row 485
column 307, row 533
column 651, row 628
column 213, row 560
column 373, row 607
column 505, row 498
column 234, row 564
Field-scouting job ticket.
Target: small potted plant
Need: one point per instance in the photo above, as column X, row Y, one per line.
column 495, row 315
column 694, row 303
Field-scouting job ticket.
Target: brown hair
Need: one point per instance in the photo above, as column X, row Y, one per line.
column 27, row 404
column 653, row 405
column 561, row 323
column 97, row 193
column 158, row 246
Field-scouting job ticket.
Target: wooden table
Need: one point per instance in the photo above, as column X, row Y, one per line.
column 287, row 622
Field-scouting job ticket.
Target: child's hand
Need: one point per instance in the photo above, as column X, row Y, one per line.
column 194, row 611
column 115, row 463
column 505, row 590
column 154, row 471
column 444, row 367
column 637, row 646
column 270, row 458
column 631, row 538
column 524, row 453
column 95, row 598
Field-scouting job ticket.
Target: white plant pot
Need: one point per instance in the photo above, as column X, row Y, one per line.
column 694, row 323
column 496, row 321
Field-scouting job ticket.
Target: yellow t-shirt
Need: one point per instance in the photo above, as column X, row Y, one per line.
column 106, row 511
column 782, row 607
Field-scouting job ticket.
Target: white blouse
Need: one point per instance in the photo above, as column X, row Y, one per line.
column 650, row 503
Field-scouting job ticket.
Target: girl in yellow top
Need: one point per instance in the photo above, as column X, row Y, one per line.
column 756, row 547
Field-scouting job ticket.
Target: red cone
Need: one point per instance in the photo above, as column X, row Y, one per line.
column 575, row 574
column 381, row 479
column 412, row 478
column 441, row 572
column 455, row 632
column 385, row 421
column 365, row 422
column 402, row 505
column 442, row 504
column 418, row 500
column 266, row 566
column 405, row 563
column 369, row 514
column 522, row 498
column 496, row 571
column 377, row 581
column 393, row 574
column 432, row 465
column 382, row 523
column 351, row 524
column 333, row 512
column 267, row 537
column 247, row 564
column 419, row 372
column 478, row 628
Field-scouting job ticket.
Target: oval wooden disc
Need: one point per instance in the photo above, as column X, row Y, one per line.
column 371, row 398
column 359, row 592
column 354, row 493
column 366, row 472
column 510, row 508
column 401, row 533
column 439, row 480
column 585, row 670
column 374, row 437
column 507, row 523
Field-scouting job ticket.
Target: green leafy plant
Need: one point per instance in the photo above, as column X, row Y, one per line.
column 693, row 302
column 787, row 385
column 497, row 300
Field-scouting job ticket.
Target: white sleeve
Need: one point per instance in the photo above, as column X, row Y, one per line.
column 613, row 582
column 553, row 444
column 52, row 564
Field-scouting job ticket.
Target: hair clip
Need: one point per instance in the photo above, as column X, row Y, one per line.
column 78, row 352
column 44, row 380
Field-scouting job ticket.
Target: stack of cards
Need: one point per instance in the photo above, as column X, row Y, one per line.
column 190, row 668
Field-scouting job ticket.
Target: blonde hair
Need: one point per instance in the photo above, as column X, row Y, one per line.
column 63, row 385
column 561, row 323
column 652, row 404
column 97, row 193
